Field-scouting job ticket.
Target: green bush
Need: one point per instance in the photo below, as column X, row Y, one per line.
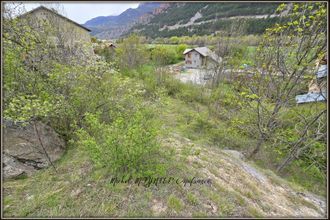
column 127, row 145
column 183, row 91
column 180, row 49
column 173, row 86
column 163, row 55
column 131, row 53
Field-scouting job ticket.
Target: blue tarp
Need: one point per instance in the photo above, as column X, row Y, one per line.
column 311, row 97
column 315, row 97
column 322, row 71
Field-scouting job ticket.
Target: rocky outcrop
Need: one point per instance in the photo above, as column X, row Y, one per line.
column 23, row 152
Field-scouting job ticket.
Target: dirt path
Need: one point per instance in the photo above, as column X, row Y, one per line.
column 267, row 193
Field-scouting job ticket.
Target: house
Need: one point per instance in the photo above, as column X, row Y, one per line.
column 317, row 90
column 64, row 32
column 201, row 57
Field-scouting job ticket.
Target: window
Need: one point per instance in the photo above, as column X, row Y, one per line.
column 189, row 55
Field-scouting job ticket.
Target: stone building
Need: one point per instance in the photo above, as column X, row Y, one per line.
column 200, row 57
column 70, row 38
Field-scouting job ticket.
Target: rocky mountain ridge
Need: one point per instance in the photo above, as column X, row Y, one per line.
column 177, row 19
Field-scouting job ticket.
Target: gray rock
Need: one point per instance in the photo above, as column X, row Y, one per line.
column 13, row 168
column 23, row 153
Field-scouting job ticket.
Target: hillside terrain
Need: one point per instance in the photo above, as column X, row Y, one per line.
column 184, row 19
column 95, row 129
column 187, row 19
column 109, row 27
column 236, row 188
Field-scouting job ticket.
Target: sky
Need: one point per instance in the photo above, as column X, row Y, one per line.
column 81, row 12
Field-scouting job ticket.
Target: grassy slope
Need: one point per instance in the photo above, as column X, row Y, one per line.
column 79, row 190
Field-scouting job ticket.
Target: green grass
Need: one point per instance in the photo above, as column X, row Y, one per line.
column 194, row 119
column 298, row 177
column 77, row 189
column 175, row 203
column 253, row 212
column 192, row 198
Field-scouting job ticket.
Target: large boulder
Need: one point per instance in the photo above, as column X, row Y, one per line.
column 22, row 151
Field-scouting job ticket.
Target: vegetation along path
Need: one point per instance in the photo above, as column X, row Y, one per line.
column 237, row 188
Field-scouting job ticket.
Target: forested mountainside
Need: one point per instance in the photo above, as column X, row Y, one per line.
column 187, row 19
column 113, row 26
column 184, row 19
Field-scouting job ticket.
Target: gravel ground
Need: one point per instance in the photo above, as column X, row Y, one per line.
column 195, row 76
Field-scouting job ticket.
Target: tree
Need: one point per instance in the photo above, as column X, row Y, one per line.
column 20, row 102
column 31, row 90
column 228, row 49
column 181, row 48
column 174, row 40
column 286, row 59
column 131, row 53
column 163, row 55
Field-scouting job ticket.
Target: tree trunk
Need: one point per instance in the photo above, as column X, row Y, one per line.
column 257, row 148
column 286, row 162
column 41, row 144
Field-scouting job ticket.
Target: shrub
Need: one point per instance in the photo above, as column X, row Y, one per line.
column 163, row 55
column 172, row 86
column 179, row 50
column 131, row 53
column 127, row 145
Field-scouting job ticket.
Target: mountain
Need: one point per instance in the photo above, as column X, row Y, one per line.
column 109, row 27
column 178, row 19
column 207, row 18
